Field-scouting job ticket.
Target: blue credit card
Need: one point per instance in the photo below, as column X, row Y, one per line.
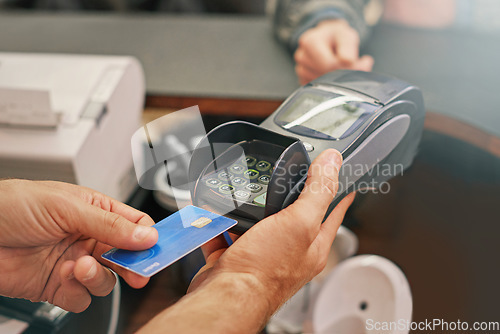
column 179, row 234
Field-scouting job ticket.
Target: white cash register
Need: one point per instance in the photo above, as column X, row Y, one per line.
column 70, row 118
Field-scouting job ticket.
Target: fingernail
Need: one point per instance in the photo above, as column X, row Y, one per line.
column 91, row 273
column 141, row 232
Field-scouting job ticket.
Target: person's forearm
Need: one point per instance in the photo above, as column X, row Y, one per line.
column 228, row 303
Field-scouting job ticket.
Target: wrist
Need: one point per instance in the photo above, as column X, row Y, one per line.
column 338, row 22
column 224, row 303
column 250, row 290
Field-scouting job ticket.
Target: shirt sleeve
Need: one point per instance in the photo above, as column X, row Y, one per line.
column 293, row 17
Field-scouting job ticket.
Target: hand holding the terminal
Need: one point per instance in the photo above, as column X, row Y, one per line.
column 52, row 235
column 243, row 285
column 331, row 45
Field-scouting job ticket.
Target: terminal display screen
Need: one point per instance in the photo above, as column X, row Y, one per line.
column 324, row 115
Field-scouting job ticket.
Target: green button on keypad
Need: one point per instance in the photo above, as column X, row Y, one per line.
column 251, row 174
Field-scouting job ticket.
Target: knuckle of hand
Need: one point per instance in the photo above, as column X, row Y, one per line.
column 350, row 34
column 300, row 70
column 323, row 185
column 147, row 220
column 330, row 184
column 85, row 303
column 322, row 263
column 80, row 304
column 306, row 40
column 112, row 220
column 63, row 213
column 100, row 201
column 323, row 179
column 297, row 56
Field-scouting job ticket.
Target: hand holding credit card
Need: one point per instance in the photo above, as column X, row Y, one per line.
column 179, row 234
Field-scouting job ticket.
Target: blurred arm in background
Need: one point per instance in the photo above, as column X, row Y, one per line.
column 325, row 35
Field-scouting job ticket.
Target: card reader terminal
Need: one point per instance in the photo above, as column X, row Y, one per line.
column 249, row 172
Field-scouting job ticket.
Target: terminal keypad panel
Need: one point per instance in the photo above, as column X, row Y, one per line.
column 244, row 180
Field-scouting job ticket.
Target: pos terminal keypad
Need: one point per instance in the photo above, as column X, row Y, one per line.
column 244, row 180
